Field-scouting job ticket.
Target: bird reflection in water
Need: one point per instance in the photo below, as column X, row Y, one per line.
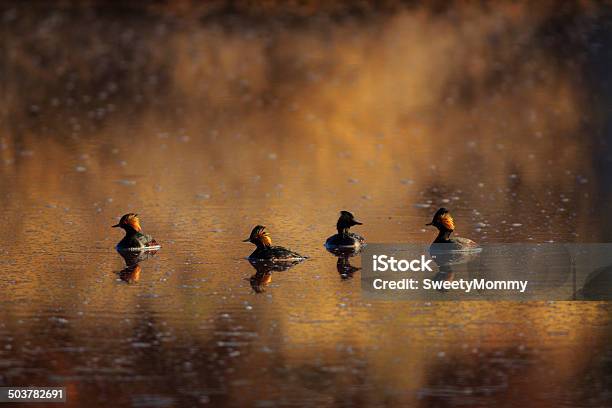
column 131, row 272
column 343, row 265
column 447, row 261
column 345, row 269
column 263, row 272
column 598, row 285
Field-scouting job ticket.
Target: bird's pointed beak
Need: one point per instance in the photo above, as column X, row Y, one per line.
column 246, row 240
column 429, row 223
column 357, row 222
column 115, row 226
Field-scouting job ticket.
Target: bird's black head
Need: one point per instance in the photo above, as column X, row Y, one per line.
column 346, row 221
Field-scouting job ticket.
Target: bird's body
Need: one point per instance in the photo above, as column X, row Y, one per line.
column 274, row 253
column 137, row 242
column 346, row 240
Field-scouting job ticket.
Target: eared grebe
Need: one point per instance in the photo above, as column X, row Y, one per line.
column 445, row 224
column 345, row 239
column 265, row 251
column 134, row 239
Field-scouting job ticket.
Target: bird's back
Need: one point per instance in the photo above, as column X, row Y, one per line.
column 275, row 253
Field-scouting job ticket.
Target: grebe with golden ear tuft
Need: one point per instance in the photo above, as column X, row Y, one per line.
column 134, row 239
column 265, row 251
column 445, row 224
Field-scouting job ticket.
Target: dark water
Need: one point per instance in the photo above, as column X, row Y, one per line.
column 209, row 121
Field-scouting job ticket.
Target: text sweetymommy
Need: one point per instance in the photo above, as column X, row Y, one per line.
column 465, row 285
column 385, row 263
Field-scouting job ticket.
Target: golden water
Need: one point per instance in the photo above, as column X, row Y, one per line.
column 207, row 127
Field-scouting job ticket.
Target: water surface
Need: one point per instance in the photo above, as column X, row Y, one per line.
column 207, row 123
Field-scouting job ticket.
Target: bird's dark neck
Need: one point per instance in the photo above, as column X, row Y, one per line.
column 343, row 230
column 443, row 236
column 130, row 232
column 262, row 245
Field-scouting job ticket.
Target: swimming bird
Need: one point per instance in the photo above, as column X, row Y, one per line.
column 134, row 239
column 445, row 224
column 265, row 251
column 345, row 239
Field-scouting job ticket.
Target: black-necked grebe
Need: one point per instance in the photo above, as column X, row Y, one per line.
column 345, row 239
column 134, row 239
column 445, row 224
column 265, row 251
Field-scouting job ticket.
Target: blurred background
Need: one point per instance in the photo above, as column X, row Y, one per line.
column 208, row 118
